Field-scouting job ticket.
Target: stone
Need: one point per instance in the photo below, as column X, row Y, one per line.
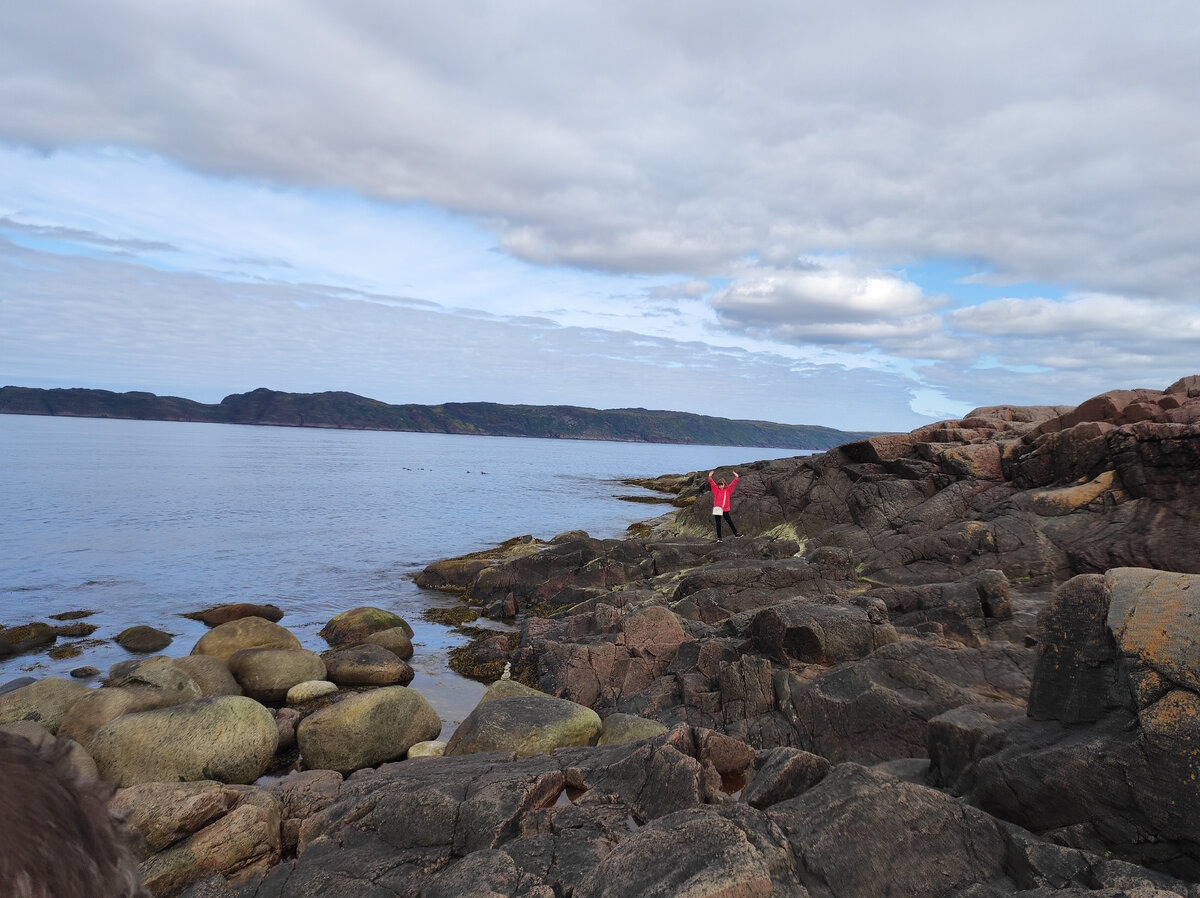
column 618, row 729
column 223, row 614
column 507, row 689
column 397, row 640
column 210, row 673
column 354, row 626
column 527, row 725
column 156, row 673
column 85, row 673
column 266, row 675
column 433, row 748
column 100, row 706
column 366, row 729
column 45, row 701
column 244, row 633
column 310, row 690
column 782, row 773
column 143, row 640
column 230, row 739
column 815, row 633
column 166, row 813
column 366, row 665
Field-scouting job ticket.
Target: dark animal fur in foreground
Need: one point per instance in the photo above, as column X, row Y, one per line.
column 60, row 839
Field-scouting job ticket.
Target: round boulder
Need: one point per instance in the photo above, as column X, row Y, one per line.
column 310, row 690
column 223, row 614
column 244, row 633
column 44, row 701
column 431, row 749
column 526, row 724
column 354, row 626
column 100, row 706
column 227, row 738
column 268, row 674
column 210, row 673
column 397, row 640
column 507, row 689
column 367, row 729
column 619, row 729
column 366, row 665
column 158, row 673
column 143, row 640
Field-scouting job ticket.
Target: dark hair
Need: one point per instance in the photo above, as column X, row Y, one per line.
column 60, row 837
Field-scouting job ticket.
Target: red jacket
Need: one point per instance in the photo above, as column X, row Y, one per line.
column 721, row 496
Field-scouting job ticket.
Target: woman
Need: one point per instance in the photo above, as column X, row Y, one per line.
column 721, row 495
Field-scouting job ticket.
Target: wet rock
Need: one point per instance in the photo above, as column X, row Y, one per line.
column 354, row 626
column 143, row 640
column 365, row 665
column 397, row 640
column 266, row 675
column 245, row 633
column 223, row 614
column 367, row 729
column 226, row 738
column 85, row 673
column 28, row 637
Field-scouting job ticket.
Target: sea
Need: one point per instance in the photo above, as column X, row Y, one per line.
column 144, row 521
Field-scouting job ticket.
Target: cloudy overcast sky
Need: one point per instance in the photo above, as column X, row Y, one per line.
column 861, row 214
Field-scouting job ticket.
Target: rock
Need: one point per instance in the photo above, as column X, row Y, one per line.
column 210, row 673
column 354, row 626
column 397, row 640
column 226, row 738
column 366, row 729
column 527, row 725
column 245, row 633
column 366, row 665
column 45, row 701
column 507, row 689
column 309, row 690
column 809, row 632
column 618, row 729
column 484, row 874
column 15, row 684
column 652, row 626
column 782, row 773
column 85, row 673
column 223, row 614
column 700, row 852
column 100, row 706
column 429, row 749
column 143, row 640
column 302, row 795
column 286, row 721
column 243, row 841
column 166, row 813
column 28, row 637
column 156, row 673
column 266, row 675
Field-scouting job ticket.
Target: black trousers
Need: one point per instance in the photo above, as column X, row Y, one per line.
column 717, row 518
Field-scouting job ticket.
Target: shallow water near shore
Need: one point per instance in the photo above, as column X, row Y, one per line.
column 143, row 521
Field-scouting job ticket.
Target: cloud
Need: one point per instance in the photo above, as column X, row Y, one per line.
column 1055, row 144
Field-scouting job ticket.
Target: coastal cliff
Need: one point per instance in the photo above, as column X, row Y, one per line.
column 349, row 411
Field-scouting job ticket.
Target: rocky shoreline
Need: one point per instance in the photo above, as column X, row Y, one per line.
column 959, row 662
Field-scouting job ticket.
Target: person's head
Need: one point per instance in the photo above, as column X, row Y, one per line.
column 60, row 837
column 721, row 483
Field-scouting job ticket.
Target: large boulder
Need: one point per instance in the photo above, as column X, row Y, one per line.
column 267, row 674
column 812, row 632
column 397, row 640
column 244, row 633
column 223, row 614
column 230, row 739
column 210, row 673
column 367, row 729
column 527, row 725
column 366, row 665
column 100, row 706
column 45, row 701
column 354, row 626
column 155, row 673
column 143, row 640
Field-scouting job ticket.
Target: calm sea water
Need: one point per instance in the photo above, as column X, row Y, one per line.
column 142, row 521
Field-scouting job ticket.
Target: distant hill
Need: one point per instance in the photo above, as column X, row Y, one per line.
column 348, row 411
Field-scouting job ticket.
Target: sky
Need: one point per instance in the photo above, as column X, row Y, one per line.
column 865, row 215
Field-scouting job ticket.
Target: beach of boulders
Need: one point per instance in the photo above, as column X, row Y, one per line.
column 961, row 662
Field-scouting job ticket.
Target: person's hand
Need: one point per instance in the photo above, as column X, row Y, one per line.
column 710, row 474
